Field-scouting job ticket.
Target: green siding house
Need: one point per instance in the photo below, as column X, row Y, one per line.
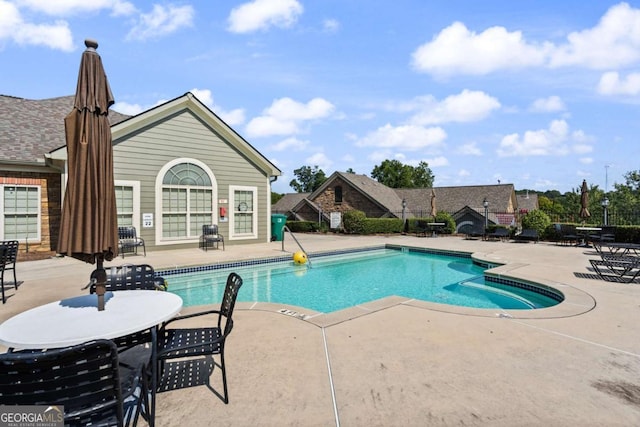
column 177, row 167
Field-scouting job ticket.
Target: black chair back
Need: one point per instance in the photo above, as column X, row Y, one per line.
column 234, row 282
column 83, row 378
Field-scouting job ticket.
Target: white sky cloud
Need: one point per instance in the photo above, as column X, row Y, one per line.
column 13, row 27
column 470, row 149
column 321, row 160
column 612, row 84
column 331, row 25
column 409, row 137
column 613, row 42
column 285, row 116
column 437, row 162
column 457, row 50
column 75, row 7
column 551, row 104
column 289, row 144
column 162, row 20
column 262, row 14
column 467, row 106
column 556, row 140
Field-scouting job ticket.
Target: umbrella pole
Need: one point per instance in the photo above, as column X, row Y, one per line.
column 101, row 281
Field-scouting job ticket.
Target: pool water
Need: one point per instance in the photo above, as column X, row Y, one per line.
column 339, row 281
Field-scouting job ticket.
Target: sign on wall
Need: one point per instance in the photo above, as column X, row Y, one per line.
column 147, row 220
column 336, row 219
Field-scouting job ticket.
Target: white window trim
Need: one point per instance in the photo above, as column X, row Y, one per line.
column 158, row 193
column 136, row 199
column 232, row 216
column 38, row 237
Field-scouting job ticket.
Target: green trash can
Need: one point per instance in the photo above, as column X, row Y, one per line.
column 277, row 227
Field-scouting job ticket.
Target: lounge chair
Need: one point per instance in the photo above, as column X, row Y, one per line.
column 474, row 232
column 422, row 228
column 178, row 343
column 87, row 380
column 568, row 235
column 210, row 237
column 129, row 242
column 620, row 268
column 527, row 235
column 8, row 257
column 500, row 233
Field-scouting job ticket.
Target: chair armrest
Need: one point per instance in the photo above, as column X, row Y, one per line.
column 188, row 316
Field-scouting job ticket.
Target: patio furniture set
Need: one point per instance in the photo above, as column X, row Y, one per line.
column 618, row 262
column 105, row 367
column 503, row 234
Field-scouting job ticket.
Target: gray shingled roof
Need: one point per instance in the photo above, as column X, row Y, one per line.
column 379, row 193
column 31, row 128
column 528, row 202
column 288, row 202
column 452, row 199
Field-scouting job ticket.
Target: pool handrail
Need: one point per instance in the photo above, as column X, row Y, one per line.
column 285, row 228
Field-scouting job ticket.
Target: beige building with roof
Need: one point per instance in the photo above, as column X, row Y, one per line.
column 177, row 167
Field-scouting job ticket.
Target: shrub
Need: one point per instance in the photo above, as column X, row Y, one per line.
column 382, row 225
column 538, row 220
column 353, row 221
column 302, row 226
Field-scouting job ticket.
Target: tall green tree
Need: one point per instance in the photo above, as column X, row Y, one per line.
column 308, row 179
column 395, row 174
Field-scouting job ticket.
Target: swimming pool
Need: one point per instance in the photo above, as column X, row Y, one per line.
column 335, row 282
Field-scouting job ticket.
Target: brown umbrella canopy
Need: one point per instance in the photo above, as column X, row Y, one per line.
column 584, row 200
column 89, row 230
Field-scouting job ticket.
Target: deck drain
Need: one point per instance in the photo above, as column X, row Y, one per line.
column 292, row 313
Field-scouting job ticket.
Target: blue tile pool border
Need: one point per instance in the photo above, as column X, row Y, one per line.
column 534, row 287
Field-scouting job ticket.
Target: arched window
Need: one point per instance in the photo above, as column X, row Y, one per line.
column 187, row 200
column 337, row 192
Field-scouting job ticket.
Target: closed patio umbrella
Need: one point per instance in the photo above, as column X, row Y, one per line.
column 89, row 228
column 433, row 203
column 584, row 200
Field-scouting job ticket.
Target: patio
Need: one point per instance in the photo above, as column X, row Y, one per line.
column 398, row 362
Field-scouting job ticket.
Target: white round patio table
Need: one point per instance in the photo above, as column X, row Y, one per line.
column 77, row 320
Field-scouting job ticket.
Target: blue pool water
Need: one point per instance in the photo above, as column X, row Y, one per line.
column 340, row 281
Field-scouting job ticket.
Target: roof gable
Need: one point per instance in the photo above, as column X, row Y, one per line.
column 189, row 102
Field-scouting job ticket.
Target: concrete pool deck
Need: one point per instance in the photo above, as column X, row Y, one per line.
column 397, row 362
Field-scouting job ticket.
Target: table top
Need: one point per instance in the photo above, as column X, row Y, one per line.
column 436, row 223
column 76, row 320
column 589, row 228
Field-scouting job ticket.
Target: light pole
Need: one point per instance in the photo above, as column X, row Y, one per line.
column 605, row 205
column 485, row 203
column 404, row 218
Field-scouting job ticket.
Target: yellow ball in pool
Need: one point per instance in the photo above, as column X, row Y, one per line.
column 299, row 257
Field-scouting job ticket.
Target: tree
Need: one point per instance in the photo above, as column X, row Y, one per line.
column 309, row 179
column 394, row 174
column 275, row 197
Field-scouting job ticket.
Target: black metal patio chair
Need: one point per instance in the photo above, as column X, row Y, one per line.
column 8, row 257
column 620, row 268
column 86, row 379
column 131, row 277
column 210, row 237
column 129, row 242
column 180, row 343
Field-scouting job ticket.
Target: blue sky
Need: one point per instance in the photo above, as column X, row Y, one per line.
column 541, row 94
